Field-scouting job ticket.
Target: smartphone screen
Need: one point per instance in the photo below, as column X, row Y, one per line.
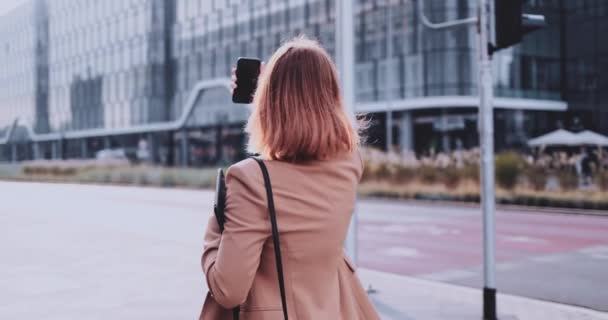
column 247, row 73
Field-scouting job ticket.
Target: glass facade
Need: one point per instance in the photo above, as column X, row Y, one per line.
column 586, row 62
column 74, row 65
column 423, row 62
column 106, row 63
column 18, row 63
column 533, row 68
column 209, row 36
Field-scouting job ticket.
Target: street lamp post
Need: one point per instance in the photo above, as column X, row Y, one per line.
column 345, row 54
column 387, row 82
column 14, row 157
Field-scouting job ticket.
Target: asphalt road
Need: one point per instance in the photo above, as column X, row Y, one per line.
column 549, row 256
column 74, row 249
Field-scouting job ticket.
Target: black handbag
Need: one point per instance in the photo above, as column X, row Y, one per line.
column 218, row 209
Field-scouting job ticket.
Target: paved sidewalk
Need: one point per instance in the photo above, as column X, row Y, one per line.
column 404, row 298
column 98, row 253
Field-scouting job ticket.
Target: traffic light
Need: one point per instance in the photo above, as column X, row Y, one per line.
column 512, row 24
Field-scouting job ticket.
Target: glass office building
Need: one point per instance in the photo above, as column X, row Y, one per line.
column 585, row 55
column 24, row 67
column 107, row 69
column 115, row 68
column 106, row 63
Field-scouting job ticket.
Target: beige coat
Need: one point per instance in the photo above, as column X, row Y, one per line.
column 314, row 203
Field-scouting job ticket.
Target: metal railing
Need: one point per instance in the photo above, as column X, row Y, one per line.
column 174, row 125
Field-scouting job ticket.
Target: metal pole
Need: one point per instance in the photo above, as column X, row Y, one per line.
column 84, row 149
column 184, row 147
column 152, row 148
column 107, row 144
column 486, row 127
column 35, row 151
column 219, row 143
column 14, row 152
column 54, row 150
column 62, row 148
column 388, row 73
column 441, row 25
column 345, row 54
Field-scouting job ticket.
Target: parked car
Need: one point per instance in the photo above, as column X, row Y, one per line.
column 111, row 154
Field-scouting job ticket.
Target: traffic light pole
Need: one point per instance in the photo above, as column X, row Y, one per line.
column 486, row 130
column 486, row 141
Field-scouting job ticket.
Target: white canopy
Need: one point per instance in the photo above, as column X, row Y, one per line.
column 559, row 137
column 563, row 137
column 588, row 137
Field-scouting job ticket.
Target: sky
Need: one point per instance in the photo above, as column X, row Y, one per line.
column 7, row 5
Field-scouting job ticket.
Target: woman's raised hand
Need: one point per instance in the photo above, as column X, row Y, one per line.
column 233, row 77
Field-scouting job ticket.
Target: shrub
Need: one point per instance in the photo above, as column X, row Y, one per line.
column 123, row 176
column 30, row 170
column 429, row 174
column 471, row 198
column 105, row 176
column 536, row 176
column 567, row 179
column 167, row 179
column 451, row 176
column 470, row 172
column 508, row 167
column 53, row 169
column 195, row 178
column 143, row 178
column 383, row 171
column 602, row 180
column 9, row 171
column 368, row 171
column 403, row 174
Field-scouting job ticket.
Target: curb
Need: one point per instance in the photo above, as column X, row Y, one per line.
column 505, row 207
column 405, row 294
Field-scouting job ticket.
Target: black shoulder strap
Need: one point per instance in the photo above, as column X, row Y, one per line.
column 275, row 233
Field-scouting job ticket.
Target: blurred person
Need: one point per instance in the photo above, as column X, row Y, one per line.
column 602, row 159
column 578, row 166
column 594, row 158
column 143, row 151
column 300, row 128
column 594, row 164
column 586, row 166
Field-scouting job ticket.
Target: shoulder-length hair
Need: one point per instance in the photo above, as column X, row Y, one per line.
column 298, row 113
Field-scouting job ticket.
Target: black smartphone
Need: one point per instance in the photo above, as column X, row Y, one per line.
column 247, row 73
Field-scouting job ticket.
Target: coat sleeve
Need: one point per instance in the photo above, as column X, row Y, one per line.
column 230, row 259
